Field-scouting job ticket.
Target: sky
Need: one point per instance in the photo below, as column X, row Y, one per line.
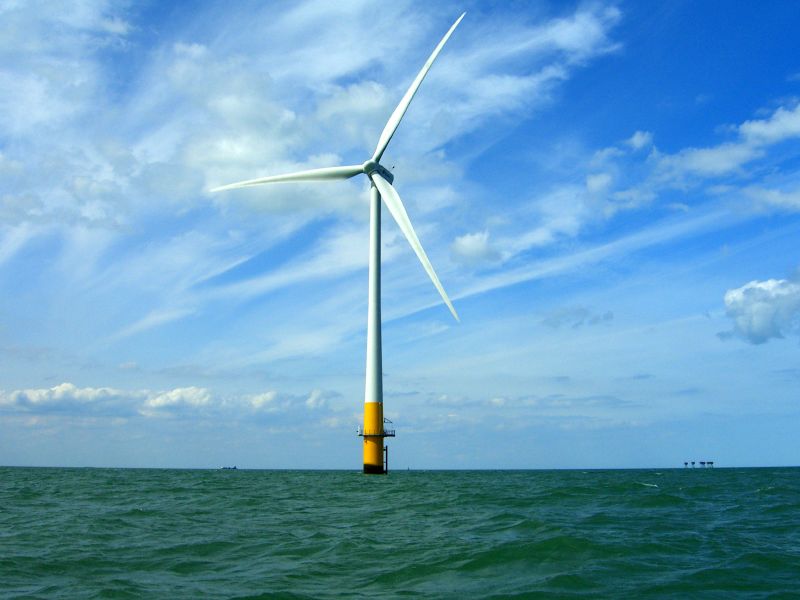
column 608, row 191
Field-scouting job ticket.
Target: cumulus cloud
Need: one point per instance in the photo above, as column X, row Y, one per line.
column 783, row 124
column 763, row 310
column 315, row 399
column 65, row 392
column 264, row 401
column 188, row 396
column 474, row 249
column 320, row 399
column 68, row 398
column 640, row 139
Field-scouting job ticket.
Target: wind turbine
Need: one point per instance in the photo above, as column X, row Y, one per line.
column 381, row 187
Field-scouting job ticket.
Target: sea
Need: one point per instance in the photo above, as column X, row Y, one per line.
column 158, row 533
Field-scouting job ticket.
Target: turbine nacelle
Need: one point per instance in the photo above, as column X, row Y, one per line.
column 373, row 166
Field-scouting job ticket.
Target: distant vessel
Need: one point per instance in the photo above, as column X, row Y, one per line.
column 233, row 468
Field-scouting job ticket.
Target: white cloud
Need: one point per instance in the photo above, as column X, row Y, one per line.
column 781, row 199
column 188, row 396
column 436, row 197
column 264, row 401
column 67, row 398
column 49, row 74
column 653, row 236
column 762, row 310
column 474, row 249
column 560, row 212
column 191, row 402
column 640, row 139
column 620, row 178
column 576, row 317
column 342, row 251
column 714, row 161
column 755, row 136
column 62, row 393
column 315, row 399
column 201, row 110
column 304, row 341
column 598, row 182
column 781, row 125
column 586, row 32
column 154, row 319
column 501, row 68
column 575, row 38
column 13, row 239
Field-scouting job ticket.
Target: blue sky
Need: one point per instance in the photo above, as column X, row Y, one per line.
column 609, row 193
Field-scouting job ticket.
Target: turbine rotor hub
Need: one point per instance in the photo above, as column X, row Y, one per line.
column 372, row 166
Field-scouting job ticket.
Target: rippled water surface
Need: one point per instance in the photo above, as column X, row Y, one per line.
column 128, row 533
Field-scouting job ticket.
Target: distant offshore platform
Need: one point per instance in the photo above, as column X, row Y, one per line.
column 703, row 464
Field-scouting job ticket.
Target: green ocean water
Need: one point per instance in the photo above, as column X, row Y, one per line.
column 130, row 533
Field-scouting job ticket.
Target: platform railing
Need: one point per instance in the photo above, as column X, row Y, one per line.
column 375, row 433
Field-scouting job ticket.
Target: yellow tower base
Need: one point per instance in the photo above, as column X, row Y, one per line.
column 373, row 434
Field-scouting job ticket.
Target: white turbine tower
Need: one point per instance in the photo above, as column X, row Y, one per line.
column 381, row 188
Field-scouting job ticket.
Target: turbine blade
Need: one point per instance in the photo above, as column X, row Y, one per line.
column 324, row 174
column 395, row 206
column 397, row 115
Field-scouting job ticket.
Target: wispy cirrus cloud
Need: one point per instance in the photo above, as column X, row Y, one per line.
column 775, row 199
column 54, row 71
column 202, row 109
column 576, row 316
column 661, row 233
column 635, row 175
column 752, row 141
